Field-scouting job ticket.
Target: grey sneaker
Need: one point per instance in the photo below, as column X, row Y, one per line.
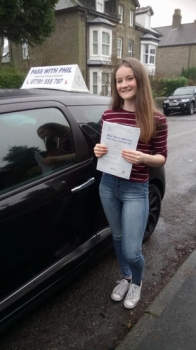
column 133, row 296
column 120, row 290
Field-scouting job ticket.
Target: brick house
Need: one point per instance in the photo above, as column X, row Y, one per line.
column 177, row 47
column 94, row 34
column 149, row 38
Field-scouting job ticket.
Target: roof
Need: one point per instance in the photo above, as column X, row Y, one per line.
column 147, row 30
column 68, row 98
column 182, row 35
column 65, row 4
column 99, row 20
column 148, row 36
column 142, row 10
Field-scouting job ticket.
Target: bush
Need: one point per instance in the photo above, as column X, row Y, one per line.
column 11, row 80
column 166, row 86
column 172, row 84
column 189, row 73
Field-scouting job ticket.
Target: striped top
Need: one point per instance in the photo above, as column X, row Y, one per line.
column 63, row 146
column 156, row 145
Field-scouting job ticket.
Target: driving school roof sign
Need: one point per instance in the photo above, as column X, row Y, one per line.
column 67, row 78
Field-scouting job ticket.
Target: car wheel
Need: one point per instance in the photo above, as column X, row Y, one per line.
column 154, row 210
column 191, row 108
column 166, row 112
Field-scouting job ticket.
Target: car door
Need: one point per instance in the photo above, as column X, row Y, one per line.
column 48, row 212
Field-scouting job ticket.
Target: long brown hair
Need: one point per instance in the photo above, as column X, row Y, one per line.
column 144, row 103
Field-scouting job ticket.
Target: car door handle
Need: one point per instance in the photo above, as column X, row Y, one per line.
column 84, row 185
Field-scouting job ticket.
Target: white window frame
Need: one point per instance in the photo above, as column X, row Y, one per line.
column 149, row 55
column 130, row 48
column 25, row 51
column 105, row 85
column 119, row 47
column 103, row 53
column 105, row 50
column 100, row 5
column 121, row 13
column 150, row 67
column 131, row 18
column 95, row 42
column 95, row 83
column 99, row 83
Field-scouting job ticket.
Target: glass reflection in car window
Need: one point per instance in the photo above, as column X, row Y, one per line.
column 27, row 155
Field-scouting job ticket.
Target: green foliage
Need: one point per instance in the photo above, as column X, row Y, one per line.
column 166, row 86
column 189, row 73
column 11, row 80
column 172, row 84
column 27, row 20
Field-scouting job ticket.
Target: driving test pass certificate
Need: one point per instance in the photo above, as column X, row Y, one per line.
column 116, row 138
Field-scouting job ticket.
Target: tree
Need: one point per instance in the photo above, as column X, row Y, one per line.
column 29, row 21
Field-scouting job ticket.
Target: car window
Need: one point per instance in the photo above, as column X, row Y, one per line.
column 90, row 115
column 184, row 91
column 34, row 144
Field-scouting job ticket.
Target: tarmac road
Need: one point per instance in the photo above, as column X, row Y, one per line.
column 82, row 315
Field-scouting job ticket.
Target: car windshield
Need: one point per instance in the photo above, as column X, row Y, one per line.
column 184, row 91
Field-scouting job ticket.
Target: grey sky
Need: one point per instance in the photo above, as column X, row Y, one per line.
column 164, row 10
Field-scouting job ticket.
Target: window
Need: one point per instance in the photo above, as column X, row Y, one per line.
column 105, row 84
column 95, row 42
column 100, row 5
column 100, row 43
column 25, row 51
column 130, row 49
column 105, row 43
column 95, row 82
column 120, row 13
column 119, row 48
column 149, row 52
column 131, row 18
column 29, row 149
column 100, row 81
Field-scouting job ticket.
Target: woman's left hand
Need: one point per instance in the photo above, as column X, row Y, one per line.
column 134, row 157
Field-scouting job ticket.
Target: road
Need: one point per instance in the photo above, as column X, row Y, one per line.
column 82, row 315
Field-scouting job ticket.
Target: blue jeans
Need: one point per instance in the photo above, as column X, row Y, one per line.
column 126, row 206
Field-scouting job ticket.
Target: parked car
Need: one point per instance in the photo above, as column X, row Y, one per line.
column 52, row 223
column 182, row 100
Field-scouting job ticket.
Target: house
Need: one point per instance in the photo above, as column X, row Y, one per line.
column 94, row 34
column 149, row 38
column 177, row 47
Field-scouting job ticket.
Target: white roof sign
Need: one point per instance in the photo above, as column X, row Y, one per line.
column 68, row 78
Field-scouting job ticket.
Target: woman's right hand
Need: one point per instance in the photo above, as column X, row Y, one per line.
column 100, row 150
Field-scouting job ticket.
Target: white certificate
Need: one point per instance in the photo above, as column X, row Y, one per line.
column 116, row 138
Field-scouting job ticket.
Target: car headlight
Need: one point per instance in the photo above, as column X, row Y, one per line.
column 166, row 101
column 185, row 100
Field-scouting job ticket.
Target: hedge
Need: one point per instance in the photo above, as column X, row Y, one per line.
column 11, row 80
column 189, row 73
column 166, row 86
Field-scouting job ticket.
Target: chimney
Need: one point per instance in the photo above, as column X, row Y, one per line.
column 176, row 18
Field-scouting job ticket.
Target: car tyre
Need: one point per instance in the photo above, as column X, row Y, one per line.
column 191, row 108
column 154, row 210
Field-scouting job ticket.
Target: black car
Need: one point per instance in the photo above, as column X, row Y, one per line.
column 183, row 100
column 51, row 220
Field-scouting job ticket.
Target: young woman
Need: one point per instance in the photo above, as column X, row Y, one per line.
column 126, row 202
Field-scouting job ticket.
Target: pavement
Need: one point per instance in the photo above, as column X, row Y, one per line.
column 170, row 322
